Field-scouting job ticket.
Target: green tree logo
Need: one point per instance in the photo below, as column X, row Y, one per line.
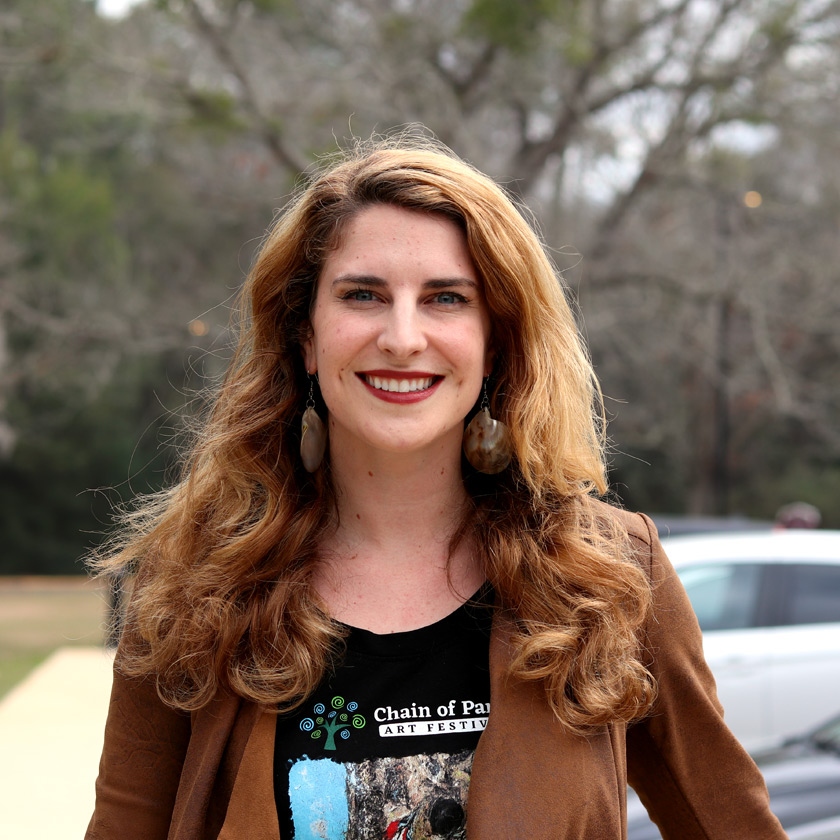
column 339, row 719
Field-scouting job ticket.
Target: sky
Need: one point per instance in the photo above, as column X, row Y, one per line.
column 115, row 8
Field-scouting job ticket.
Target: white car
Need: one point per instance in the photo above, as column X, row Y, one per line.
column 822, row 830
column 769, row 607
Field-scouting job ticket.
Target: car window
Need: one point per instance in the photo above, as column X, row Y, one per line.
column 813, row 594
column 724, row 595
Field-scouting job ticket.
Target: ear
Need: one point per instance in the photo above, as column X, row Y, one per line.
column 489, row 361
column 310, row 357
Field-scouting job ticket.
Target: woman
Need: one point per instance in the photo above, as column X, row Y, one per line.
column 388, row 625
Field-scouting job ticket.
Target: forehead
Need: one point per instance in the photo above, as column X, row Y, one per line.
column 395, row 238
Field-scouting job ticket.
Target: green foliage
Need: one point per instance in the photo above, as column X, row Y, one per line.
column 214, row 111
column 397, row 28
column 779, row 26
column 62, row 215
column 579, row 49
column 285, row 6
column 73, row 461
column 15, row 666
column 512, row 23
column 649, row 480
column 785, row 478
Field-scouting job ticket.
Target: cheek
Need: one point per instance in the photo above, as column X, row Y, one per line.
column 482, row 353
column 344, row 340
column 317, row 347
column 333, row 356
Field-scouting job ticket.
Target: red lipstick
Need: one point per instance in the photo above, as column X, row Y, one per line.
column 400, row 386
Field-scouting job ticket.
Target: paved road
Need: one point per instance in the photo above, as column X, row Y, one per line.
column 51, row 729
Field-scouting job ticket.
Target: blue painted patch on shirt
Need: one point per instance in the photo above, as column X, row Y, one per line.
column 318, row 795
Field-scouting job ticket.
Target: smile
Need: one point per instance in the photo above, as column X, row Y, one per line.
column 398, row 386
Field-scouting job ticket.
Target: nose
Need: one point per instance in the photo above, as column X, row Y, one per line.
column 402, row 333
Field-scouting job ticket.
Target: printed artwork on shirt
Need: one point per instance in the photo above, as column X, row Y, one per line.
column 327, row 722
column 417, row 797
column 383, row 748
column 411, row 797
column 338, row 720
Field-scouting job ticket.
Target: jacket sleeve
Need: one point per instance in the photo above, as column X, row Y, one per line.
column 692, row 775
column 140, row 768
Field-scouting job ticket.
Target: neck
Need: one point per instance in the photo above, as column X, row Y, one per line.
column 397, row 514
column 386, row 499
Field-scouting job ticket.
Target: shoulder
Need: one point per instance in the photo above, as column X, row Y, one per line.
column 638, row 527
column 641, row 535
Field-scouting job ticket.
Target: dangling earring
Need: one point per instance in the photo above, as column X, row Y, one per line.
column 487, row 441
column 313, row 434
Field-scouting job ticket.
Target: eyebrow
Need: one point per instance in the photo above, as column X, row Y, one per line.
column 379, row 283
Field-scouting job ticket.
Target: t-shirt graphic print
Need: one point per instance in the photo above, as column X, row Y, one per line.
column 383, row 749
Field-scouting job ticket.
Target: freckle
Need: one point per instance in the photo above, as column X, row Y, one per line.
column 370, row 474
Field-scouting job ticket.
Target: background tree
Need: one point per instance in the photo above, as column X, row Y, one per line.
column 603, row 115
column 107, row 283
column 141, row 159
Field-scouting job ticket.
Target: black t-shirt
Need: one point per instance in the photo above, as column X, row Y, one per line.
column 383, row 749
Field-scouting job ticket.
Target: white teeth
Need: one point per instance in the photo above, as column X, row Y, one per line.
column 399, row 386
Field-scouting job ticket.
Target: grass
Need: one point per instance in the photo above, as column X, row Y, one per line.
column 38, row 615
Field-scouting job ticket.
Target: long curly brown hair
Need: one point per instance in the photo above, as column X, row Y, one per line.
column 223, row 558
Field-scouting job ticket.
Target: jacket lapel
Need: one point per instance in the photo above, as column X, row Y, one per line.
column 252, row 812
column 531, row 777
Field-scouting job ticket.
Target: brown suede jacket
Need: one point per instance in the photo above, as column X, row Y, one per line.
column 208, row 776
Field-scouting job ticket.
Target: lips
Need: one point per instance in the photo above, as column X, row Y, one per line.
column 399, row 385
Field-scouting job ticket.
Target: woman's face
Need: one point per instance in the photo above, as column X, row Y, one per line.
column 400, row 332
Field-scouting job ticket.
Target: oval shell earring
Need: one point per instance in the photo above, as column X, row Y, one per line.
column 313, row 434
column 487, row 441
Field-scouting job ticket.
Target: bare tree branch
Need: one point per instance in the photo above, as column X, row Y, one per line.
column 222, row 48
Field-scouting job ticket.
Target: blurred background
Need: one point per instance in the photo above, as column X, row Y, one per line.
column 681, row 160
column 680, row 157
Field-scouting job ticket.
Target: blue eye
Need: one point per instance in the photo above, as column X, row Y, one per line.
column 361, row 295
column 450, row 298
